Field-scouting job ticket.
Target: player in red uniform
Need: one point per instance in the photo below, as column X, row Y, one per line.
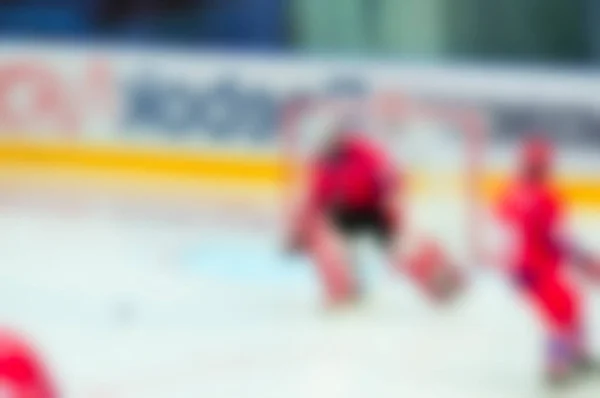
column 353, row 188
column 22, row 374
column 533, row 211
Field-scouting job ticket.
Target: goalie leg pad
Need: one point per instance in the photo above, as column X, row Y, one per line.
column 433, row 272
column 327, row 250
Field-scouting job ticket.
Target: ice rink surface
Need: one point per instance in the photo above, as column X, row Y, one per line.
column 148, row 302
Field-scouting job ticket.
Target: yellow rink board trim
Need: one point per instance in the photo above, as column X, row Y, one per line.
column 177, row 164
column 174, row 163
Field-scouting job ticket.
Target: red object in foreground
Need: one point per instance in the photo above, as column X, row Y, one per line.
column 22, row 373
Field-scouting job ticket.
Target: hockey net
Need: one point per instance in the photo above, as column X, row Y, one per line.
column 439, row 151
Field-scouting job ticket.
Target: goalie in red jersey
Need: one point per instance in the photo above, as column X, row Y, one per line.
column 353, row 187
column 540, row 255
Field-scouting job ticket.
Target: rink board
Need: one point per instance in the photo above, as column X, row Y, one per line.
column 211, row 115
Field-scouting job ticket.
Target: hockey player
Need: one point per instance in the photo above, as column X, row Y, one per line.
column 22, row 374
column 353, row 187
column 533, row 214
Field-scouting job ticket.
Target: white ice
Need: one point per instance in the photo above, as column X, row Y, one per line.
column 126, row 307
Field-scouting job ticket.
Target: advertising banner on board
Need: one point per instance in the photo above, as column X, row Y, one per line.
column 229, row 101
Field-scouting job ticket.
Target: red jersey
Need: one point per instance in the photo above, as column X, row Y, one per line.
column 21, row 373
column 359, row 175
column 533, row 214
